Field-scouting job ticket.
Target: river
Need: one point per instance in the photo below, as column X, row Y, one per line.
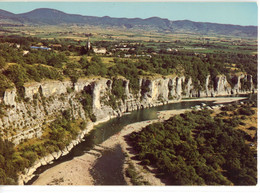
column 105, row 130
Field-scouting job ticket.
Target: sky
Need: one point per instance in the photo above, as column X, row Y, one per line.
column 238, row 13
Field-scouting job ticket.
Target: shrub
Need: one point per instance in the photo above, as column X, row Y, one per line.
column 69, row 90
column 134, row 177
column 246, row 111
column 30, row 155
column 228, row 108
column 252, row 128
column 118, row 89
column 83, row 125
column 145, row 162
column 242, row 123
column 92, row 117
column 223, row 113
column 243, row 117
column 27, row 99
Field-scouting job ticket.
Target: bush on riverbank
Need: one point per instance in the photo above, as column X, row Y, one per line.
column 9, row 164
column 196, row 149
column 135, row 178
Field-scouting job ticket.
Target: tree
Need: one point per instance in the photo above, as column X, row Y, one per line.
column 84, row 62
column 2, row 62
column 2, row 176
column 4, row 84
column 17, row 74
column 96, row 59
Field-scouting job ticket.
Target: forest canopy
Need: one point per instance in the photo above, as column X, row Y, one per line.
column 195, row 148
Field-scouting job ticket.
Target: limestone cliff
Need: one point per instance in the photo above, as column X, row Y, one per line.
column 24, row 118
column 43, row 101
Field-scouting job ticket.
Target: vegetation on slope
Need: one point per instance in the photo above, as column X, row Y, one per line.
column 57, row 135
column 135, row 178
column 195, row 148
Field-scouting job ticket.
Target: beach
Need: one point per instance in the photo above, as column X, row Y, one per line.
column 77, row 170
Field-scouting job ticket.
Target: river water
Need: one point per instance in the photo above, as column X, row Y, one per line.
column 105, row 130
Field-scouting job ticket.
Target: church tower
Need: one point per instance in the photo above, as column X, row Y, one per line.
column 88, row 44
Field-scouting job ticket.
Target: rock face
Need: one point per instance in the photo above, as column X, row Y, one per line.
column 222, row 86
column 9, row 97
column 43, row 101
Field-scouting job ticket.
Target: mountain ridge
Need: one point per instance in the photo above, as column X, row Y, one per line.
column 46, row 16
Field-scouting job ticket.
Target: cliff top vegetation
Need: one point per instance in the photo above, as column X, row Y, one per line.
column 20, row 62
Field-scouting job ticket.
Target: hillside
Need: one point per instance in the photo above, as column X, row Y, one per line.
column 46, row 16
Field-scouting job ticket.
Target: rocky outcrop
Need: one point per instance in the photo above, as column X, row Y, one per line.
column 24, row 119
column 179, row 81
column 100, row 90
column 43, row 101
column 153, row 91
column 242, row 84
column 209, row 87
column 9, row 97
column 160, row 90
column 222, row 86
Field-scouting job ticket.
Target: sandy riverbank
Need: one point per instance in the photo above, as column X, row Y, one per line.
column 77, row 170
column 217, row 100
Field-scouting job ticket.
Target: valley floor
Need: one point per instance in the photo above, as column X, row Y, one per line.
column 78, row 170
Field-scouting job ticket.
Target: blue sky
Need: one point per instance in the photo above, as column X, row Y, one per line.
column 239, row 13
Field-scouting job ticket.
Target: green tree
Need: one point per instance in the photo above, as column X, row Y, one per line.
column 2, row 62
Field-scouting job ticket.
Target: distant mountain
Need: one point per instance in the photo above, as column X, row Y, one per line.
column 5, row 14
column 45, row 16
column 51, row 17
column 9, row 18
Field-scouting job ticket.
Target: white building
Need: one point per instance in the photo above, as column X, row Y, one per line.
column 100, row 50
column 25, row 52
